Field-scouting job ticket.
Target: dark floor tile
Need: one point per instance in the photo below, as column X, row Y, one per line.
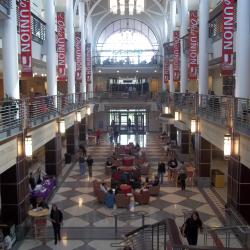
column 191, row 203
column 93, row 217
column 160, row 204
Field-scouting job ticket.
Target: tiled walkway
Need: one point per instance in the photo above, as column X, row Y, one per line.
column 89, row 225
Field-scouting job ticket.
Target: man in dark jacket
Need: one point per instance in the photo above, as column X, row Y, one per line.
column 161, row 170
column 56, row 218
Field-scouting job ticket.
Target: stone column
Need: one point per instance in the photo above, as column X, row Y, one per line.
column 53, row 156
column 10, row 54
column 242, row 88
column 203, row 152
column 203, row 46
column 51, row 55
column 72, row 137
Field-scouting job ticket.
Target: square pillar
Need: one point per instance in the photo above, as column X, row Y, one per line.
column 185, row 141
column 203, row 151
column 15, row 190
column 238, row 187
column 53, row 156
column 72, row 138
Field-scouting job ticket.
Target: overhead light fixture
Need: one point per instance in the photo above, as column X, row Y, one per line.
column 177, row 115
column 227, row 145
column 131, row 7
column 113, row 6
column 155, row 71
column 78, row 116
column 137, row 71
column 99, row 71
column 122, row 7
column 117, row 71
column 28, row 146
column 62, row 127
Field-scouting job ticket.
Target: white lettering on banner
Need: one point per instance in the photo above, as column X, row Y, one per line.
column 78, row 56
column 193, row 45
column 61, row 47
column 176, row 59
column 227, row 37
column 88, row 63
column 25, row 37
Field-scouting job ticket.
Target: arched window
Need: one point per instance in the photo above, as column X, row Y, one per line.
column 127, row 41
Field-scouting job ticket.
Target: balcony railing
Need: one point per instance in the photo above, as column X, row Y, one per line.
column 127, row 60
column 242, row 115
column 6, row 4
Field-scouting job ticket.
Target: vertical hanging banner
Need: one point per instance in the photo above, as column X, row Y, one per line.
column 61, row 47
column 166, row 64
column 88, row 63
column 227, row 37
column 176, row 59
column 78, row 49
column 193, row 45
column 25, row 37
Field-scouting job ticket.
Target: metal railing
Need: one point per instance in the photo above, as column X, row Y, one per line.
column 6, row 4
column 184, row 101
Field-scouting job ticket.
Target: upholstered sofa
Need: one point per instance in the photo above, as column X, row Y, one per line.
column 142, row 197
column 122, row 201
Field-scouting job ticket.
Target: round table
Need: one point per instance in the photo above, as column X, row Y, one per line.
column 125, row 189
column 39, row 217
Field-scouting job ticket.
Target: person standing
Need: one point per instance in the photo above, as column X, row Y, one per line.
column 56, row 217
column 98, row 136
column 82, row 164
column 183, row 177
column 90, row 162
column 161, row 170
column 129, row 124
column 191, row 227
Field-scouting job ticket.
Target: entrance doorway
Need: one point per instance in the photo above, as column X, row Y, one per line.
column 129, row 120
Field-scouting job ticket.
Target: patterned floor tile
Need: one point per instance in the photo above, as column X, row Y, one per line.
column 173, row 198
column 77, row 211
column 176, row 209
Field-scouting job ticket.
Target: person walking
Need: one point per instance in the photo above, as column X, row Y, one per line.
column 90, row 162
column 191, row 227
column 161, row 170
column 82, row 164
column 56, row 217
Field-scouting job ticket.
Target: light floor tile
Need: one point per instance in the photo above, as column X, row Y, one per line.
column 29, row 244
column 173, row 198
column 78, row 211
column 75, row 222
column 205, row 209
column 58, row 198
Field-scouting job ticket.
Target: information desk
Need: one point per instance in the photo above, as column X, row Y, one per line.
column 39, row 222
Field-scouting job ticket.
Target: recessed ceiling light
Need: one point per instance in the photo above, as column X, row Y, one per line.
column 137, row 71
column 155, row 71
column 100, row 71
column 117, row 71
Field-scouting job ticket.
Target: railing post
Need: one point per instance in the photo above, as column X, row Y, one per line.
column 115, row 223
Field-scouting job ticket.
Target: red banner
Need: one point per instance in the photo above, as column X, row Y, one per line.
column 227, row 37
column 193, row 45
column 176, row 59
column 61, row 47
column 25, row 37
column 88, row 63
column 166, row 64
column 78, row 56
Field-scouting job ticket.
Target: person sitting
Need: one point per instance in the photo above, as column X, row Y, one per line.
column 32, row 182
column 40, row 203
column 110, row 199
column 103, row 187
column 156, row 181
column 173, row 163
column 40, row 176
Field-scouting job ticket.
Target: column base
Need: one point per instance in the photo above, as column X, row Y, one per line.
column 203, row 182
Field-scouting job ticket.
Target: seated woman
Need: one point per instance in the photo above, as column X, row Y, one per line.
column 110, row 199
column 40, row 176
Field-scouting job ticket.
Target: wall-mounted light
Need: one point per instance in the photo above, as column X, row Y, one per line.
column 194, row 125
column 28, row 146
column 236, row 143
column 176, row 115
column 227, row 145
column 62, row 126
column 167, row 110
column 88, row 111
column 78, row 116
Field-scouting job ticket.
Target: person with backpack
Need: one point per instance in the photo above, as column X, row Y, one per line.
column 90, row 162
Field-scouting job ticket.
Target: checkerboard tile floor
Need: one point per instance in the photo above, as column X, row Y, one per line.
column 90, row 225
